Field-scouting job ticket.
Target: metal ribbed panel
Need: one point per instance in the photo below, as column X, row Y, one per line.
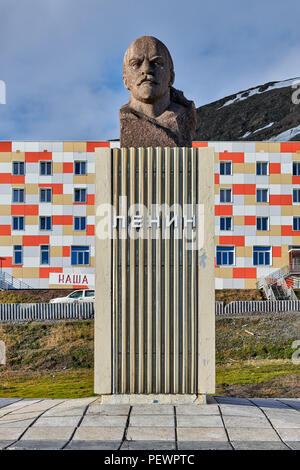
column 154, row 274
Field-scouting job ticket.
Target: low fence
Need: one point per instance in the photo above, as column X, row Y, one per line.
column 257, row 306
column 10, row 313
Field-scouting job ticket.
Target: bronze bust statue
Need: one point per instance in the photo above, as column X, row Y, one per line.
column 157, row 114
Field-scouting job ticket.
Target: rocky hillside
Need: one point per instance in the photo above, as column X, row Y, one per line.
column 266, row 112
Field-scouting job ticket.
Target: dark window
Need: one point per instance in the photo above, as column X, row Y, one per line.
column 45, row 254
column 45, row 168
column 80, row 255
column 225, row 168
column 262, row 223
column 225, row 255
column 261, row 256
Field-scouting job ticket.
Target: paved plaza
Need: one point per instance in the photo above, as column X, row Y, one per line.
column 223, row 423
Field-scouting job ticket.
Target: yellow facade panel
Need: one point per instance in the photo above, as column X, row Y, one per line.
column 62, row 199
column 26, row 273
column 31, row 189
column 225, row 273
column 5, row 210
column 17, row 156
column 239, row 220
column 217, row 159
column 5, row 157
column 31, row 220
column 56, row 251
column 74, row 146
column 90, row 209
column 275, row 231
column 249, row 200
column 250, row 283
column 57, row 167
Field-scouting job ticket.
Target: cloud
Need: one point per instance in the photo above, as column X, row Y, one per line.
column 62, row 60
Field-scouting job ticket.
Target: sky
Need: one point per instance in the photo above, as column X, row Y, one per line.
column 61, row 60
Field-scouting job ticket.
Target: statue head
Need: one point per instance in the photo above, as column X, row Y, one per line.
column 148, row 71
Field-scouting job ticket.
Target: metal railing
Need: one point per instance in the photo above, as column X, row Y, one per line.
column 9, row 282
column 11, row 313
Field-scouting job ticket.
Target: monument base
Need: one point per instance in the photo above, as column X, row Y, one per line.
column 160, row 399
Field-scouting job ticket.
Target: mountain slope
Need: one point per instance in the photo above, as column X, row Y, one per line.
column 266, row 112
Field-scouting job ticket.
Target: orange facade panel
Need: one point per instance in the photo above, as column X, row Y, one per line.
column 244, row 273
column 244, row 188
column 223, row 210
column 44, row 272
column 68, row 167
column 23, row 209
column 289, row 146
column 217, row 178
column 5, row 230
column 62, row 220
column 232, row 240
column 276, row 251
column 35, row 240
column 250, row 220
column 199, row 144
column 281, row 200
column 34, row 157
column 66, row 251
column 90, row 146
column 235, row 157
column 90, row 199
column 90, row 230
column 5, row 147
column 274, row 168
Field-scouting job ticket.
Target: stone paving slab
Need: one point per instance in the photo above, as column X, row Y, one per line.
column 40, row 433
column 58, row 411
column 204, row 445
column 148, row 445
column 155, row 420
column 92, row 433
column 103, row 421
column 11, row 434
column 57, row 421
column 234, row 410
column 289, row 434
column 7, row 401
column 4, row 444
column 153, row 410
column 149, row 433
column 108, row 410
column 93, row 445
column 294, row 445
column 252, row 434
column 259, row 445
column 197, row 410
column 212, row 421
column 201, row 434
column 246, row 422
column 16, row 423
column 38, row 445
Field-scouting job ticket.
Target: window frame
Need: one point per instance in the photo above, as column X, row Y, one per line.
column 18, row 191
column 15, row 252
column 18, row 218
column 43, row 190
column 81, row 191
column 267, row 192
column 18, row 162
column 85, row 252
column 80, row 229
column 46, row 163
column 224, row 164
column 40, row 220
column 262, row 163
column 80, row 162
column 41, row 255
column 222, row 249
column 262, row 249
column 262, row 229
column 225, row 218
column 227, row 190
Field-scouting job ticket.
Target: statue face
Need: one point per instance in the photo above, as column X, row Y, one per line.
column 147, row 73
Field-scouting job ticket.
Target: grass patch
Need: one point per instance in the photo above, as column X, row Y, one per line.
column 62, row 384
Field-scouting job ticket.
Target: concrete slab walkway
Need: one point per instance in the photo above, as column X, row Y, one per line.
column 223, row 423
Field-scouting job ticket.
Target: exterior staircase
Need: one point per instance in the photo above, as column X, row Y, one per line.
column 9, row 282
column 280, row 283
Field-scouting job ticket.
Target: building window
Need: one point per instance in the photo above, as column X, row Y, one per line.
column 296, row 195
column 80, row 195
column 225, row 168
column 296, row 224
column 18, row 254
column 80, row 255
column 261, row 195
column 18, row 195
column 225, row 223
column 45, row 195
column 261, row 168
column 79, row 223
column 262, row 223
column 80, row 168
column 45, row 254
column 225, row 255
column 45, row 223
column 262, row 256
column 296, row 168
column 18, row 223
column 225, row 195
column 18, row 168
column 45, row 168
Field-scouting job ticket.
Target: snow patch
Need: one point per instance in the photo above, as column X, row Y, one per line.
column 286, row 135
column 257, row 130
column 255, row 91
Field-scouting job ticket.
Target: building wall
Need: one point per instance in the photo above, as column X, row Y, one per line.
column 243, row 208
